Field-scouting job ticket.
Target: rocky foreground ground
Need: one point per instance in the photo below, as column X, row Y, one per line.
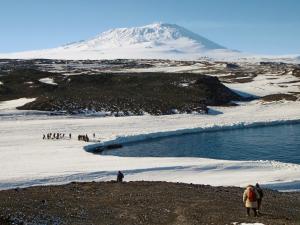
column 141, row 203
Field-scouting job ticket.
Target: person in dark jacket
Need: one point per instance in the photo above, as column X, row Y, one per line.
column 87, row 139
column 259, row 199
column 120, row 177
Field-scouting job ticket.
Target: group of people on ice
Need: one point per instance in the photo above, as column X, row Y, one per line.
column 85, row 137
column 56, row 136
column 252, row 199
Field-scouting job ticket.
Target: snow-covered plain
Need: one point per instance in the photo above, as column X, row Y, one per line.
column 27, row 159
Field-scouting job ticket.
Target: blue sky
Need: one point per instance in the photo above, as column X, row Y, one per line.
column 257, row 26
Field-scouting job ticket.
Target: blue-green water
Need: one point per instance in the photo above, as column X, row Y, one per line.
column 280, row 143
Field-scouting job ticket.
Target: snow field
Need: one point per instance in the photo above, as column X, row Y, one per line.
column 27, row 159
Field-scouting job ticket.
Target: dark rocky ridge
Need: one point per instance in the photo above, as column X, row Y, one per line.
column 154, row 93
column 278, row 97
column 147, row 203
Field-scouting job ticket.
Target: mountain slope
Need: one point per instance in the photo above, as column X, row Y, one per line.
column 151, row 35
column 160, row 41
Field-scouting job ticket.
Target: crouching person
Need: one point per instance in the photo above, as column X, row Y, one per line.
column 250, row 197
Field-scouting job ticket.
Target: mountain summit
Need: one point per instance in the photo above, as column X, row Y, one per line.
column 153, row 35
column 156, row 41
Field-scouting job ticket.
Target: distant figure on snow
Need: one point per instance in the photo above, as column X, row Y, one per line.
column 120, row 177
column 70, row 135
column 259, row 199
column 250, row 197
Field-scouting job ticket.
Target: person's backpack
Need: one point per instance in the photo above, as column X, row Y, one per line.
column 251, row 195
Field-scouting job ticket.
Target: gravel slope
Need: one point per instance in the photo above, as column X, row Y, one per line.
column 141, row 203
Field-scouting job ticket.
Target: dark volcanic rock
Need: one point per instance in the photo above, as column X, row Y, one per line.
column 215, row 92
column 296, row 72
column 278, row 97
column 123, row 93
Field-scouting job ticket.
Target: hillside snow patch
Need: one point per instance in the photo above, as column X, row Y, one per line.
column 48, row 80
column 13, row 104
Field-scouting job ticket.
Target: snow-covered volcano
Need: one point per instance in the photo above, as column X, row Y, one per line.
column 157, row 41
column 153, row 35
